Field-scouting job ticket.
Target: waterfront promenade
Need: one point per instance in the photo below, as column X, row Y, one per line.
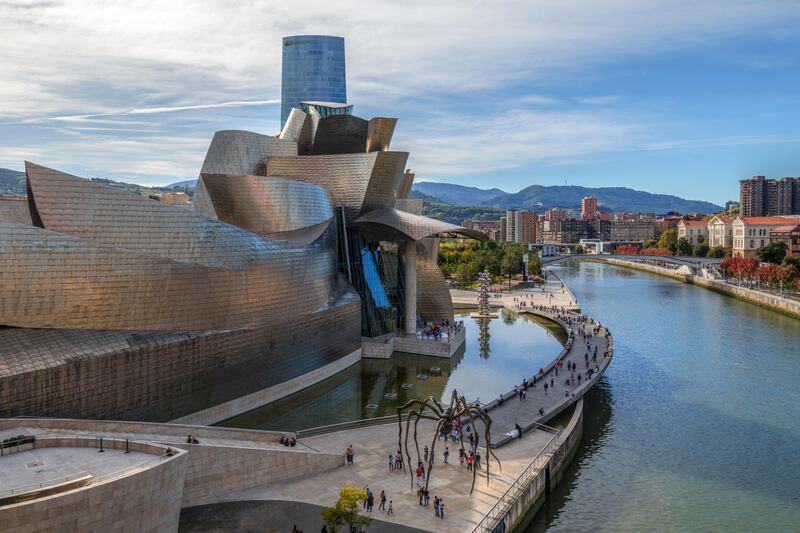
column 451, row 482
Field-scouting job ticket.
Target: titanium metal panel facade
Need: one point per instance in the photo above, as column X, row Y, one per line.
column 402, row 225
column 125, row 307
column 433, row 296
column 313, row 70
column 359, row 182
column 267, row 206
column 241, row 153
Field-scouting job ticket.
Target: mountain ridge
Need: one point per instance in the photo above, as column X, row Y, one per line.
column 543, row 197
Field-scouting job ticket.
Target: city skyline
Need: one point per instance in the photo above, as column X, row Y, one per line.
column 681, row 99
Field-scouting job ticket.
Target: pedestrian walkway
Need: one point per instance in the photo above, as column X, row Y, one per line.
column 554, row 388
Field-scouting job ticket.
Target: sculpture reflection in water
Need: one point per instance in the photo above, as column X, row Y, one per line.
column 483, row 338
column 448, row 419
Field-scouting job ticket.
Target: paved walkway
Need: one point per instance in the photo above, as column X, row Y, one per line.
column 451, row 482
column 373, row 445
column 563, row 388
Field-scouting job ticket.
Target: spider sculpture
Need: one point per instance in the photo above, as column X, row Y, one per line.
column 447, row 418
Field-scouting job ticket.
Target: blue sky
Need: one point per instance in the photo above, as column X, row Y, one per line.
column 679, row 97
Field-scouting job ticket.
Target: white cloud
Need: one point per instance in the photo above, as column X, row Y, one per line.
column 94, row 62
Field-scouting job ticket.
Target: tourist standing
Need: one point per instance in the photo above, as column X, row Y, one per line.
column 441, row 508
column 436, row 505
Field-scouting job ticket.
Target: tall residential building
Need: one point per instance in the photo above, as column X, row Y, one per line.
column 588, row 207
column 551, row 215
column 512, row 225
column 313, row 71
column 760, row 197
column 528, row 227
column 503, row 227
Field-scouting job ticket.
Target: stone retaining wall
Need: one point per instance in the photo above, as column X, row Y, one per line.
column 763, row 299
column 528, row 503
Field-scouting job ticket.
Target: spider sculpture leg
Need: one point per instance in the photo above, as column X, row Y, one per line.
column 408, row 405
column 433, row 451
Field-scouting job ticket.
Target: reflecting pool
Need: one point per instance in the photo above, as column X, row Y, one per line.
column 497, row 354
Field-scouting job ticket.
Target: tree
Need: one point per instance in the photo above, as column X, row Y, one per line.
column 717, row 252
column 793, row 261
column 669, row 240
column 700, row 250
column 512, row 260
column 773, row 252
column 651, row 243
column 579, row 249
column 346, row 510
column 465, row 273
column 683, row 247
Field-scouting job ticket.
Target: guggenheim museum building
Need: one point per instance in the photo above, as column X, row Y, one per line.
column 295, row 250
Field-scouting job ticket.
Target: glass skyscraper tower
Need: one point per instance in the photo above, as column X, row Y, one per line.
column 313, row 70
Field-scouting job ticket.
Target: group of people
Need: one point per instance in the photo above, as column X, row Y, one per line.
column 191, row 440
column 437, row 330
column 288, row 440
column 369, row 502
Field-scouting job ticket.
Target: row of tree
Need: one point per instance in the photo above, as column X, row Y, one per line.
column 786, row 275
column 463, row 260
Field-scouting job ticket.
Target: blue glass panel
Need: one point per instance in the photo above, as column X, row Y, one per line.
column 373, row 279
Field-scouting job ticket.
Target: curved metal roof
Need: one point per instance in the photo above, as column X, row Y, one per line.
column 394, row 224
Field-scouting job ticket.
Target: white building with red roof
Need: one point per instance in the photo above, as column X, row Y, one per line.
column 720, row 231
column 694, row 231
column 751, row 233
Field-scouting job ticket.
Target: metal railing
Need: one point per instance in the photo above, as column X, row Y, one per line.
column 20, row 489
column 352, row 424
column 518, row 487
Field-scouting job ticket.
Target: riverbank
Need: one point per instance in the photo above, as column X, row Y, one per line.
column 761, row 299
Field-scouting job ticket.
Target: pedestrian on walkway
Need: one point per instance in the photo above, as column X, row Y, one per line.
column 425, row 454
column 391, row 462
column 426, row 497
column 441, row 508
column 519, row 430
column 389, row 510
column 446, row 454
column 382, row 506
column 436, row 505
column 477, row 460
column 545, row 389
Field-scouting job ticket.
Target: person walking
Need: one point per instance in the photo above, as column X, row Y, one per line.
column 370, row 501
column 436, row 505
column 382, row 505
column 446, row 454
column 478, row 461
column 441, row 508
column 389, row 510
column 391, row 462
column 426, row 497
column 366, row 491
column 425, row 454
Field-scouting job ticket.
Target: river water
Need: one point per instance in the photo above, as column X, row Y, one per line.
column 696, row 424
